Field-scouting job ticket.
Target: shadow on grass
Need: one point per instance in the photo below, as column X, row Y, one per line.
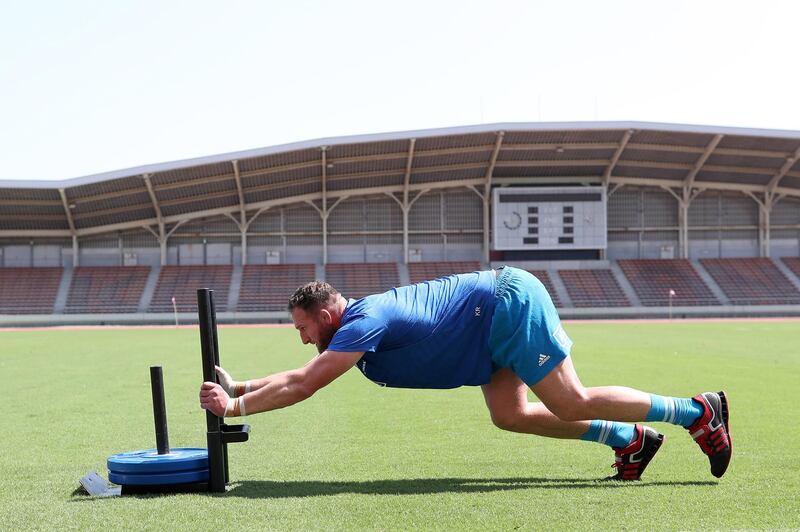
column 266, row 489
column 270, row 489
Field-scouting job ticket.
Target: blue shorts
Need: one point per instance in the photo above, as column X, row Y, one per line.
column 526, row 335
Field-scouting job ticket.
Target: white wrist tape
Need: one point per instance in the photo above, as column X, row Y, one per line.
column 230, row 409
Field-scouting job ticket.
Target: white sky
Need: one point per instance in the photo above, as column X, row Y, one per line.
column 94, row 86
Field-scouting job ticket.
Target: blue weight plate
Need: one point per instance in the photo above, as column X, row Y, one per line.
column 149, row 461
column 158, row 479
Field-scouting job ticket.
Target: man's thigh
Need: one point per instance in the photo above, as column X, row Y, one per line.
column 505, row 392
column 561, row 385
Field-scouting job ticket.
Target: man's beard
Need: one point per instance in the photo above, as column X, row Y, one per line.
column 325, row 337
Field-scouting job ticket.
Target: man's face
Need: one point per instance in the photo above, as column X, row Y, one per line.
column 314, row 327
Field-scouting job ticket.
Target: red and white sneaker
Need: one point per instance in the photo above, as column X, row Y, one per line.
column 632, row 460
column 711, row 431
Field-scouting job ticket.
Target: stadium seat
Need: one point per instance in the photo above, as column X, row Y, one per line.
column 593, row 288
column 654, row 279
column 106, row 289
column 752, row 281
column 362, row 279
column 29, row 290
column 182, row 282
column 268, row 287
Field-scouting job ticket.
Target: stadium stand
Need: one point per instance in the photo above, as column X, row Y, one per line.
column 359, row 280
column 652, row 279
column 268, row 287
column 793, row 263
column 593, row 288
column 29, row 290
column 182, row 282
column 752, row 281
column 544, row 277
column 97, row 289
column 425, row 271
column 109, row 220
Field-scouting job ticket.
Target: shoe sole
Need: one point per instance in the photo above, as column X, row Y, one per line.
column 723, row 399
column 645, row 460
column 652, row 453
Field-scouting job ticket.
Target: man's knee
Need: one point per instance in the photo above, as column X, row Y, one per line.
column 506, row 420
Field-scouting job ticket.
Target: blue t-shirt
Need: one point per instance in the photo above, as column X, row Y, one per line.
column 433, row 334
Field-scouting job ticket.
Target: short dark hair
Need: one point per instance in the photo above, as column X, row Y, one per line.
column 311, row 296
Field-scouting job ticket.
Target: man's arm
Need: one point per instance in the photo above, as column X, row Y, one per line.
column 236, row 388
column 282, row 389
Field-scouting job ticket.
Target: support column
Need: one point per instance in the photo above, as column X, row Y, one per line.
column 684, row 200
column 73, row 230
column 683, row 228
column 406, row 206
column 242, row 223
column 324, row 150
column 487, row 192
column 764, row 214
column 764, row 225
column 162, row 242
column 486, row 206
column 75, row 252
column 162, row 236
column 405, row 209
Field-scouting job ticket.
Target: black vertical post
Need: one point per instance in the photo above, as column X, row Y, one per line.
column 159, row 409
column 208, row 344
column 216, row 362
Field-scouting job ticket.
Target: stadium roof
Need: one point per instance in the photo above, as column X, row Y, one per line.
column 680, row 158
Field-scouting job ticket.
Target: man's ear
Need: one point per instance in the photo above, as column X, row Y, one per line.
column 325, row 316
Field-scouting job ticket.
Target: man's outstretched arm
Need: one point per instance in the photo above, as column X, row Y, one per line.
column 282, row 389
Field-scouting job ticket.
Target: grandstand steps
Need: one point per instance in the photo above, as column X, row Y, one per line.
column 792, row 276
column 712, row 284
column 625, row 285
column 149, row 288
column 667, row 282
column 561, row 293
column 319, row 273
column 593, row 287
column 793, row 263
column 235, row 287
column 63, row 291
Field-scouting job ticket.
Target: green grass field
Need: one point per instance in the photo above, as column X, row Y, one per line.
column 357, row 456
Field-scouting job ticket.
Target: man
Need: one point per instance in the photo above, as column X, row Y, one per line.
column 494, row 329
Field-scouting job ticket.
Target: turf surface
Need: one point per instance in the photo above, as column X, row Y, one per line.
column 357, row 456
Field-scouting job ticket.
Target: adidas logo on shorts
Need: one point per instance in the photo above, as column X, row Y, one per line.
column 542, row 359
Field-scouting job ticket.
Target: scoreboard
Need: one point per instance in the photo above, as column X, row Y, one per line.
column 549, row 218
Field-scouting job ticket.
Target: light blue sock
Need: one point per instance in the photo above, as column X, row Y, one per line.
column 673, row 410
column 611, row 433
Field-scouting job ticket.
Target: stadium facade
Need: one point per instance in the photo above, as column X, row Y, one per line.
column 669, row 192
